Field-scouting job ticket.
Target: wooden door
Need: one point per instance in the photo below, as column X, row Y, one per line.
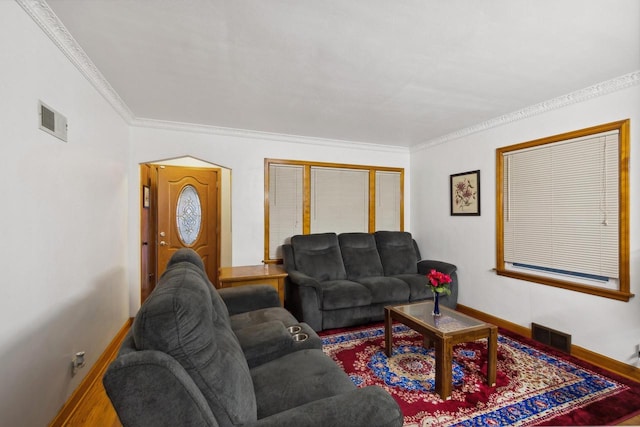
column 187, row 215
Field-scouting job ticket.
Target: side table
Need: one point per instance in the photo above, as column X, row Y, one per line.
column 269, row 274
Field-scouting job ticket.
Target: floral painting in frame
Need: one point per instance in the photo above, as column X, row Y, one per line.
column 465, row 193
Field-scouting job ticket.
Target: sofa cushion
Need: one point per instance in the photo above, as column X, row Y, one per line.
column 318, row 256
column 177, row 319
column 343, row 294
column 418, row 286
column 360, row 255
column 302, row 377
column 397, row 252
column 386, row 289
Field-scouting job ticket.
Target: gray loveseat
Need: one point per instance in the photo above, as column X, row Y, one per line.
column 344, row 280
column 188, row 361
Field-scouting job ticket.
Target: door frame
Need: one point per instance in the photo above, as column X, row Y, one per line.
column 149, row 225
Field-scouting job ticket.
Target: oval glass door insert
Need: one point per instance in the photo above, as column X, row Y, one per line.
column 188, row 215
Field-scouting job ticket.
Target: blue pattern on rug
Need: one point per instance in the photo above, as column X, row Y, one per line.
column 549, row 386
column 409, row 368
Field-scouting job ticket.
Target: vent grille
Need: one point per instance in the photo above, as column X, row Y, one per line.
column 556, row 339
column 52, row 122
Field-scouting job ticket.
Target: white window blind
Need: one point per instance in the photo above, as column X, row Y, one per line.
column 388, row 196
column 285, row 205
column 339, row 200
column 560, row 206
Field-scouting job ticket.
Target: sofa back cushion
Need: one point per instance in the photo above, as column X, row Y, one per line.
column 188, row 255
column 177, row 319
column 397, row 252
column 318, row 256
column 360, row 255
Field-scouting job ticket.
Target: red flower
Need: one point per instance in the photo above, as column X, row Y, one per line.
column 439, row 281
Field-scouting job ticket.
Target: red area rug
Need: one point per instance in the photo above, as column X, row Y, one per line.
column 535, row 385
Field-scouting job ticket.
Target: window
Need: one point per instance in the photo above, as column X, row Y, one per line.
column 339, row 200
column 562, row 211
column 310, row 197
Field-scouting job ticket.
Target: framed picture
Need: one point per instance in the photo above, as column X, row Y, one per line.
column 145, row 196
column 465, row 193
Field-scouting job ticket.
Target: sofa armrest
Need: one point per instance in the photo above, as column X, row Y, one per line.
column 364, row 407
column 249, row 298
column 299, row 278
column 426, row 265
column 264, row 342
column 151, row 388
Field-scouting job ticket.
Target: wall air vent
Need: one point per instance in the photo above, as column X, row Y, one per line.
column 556, row 339
column 52, row 122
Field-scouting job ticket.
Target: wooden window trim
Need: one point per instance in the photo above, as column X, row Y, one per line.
column 623, row 292
column 306, row 210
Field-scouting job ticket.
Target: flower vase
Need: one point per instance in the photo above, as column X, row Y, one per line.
column 436, row 304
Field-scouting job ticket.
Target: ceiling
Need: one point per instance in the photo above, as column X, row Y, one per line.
column 397, row 73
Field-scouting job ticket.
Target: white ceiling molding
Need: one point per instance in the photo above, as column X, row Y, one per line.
column 581, row 95
column 241, row 133
column 47, row 20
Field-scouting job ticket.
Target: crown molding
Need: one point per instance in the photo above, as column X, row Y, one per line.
column 594, row 91
column 49, row 22
column 251, row 134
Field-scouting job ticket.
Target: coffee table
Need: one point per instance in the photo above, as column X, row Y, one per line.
column 443, row 332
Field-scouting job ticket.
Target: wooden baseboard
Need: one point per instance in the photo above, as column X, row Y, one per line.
column 623, row 369
column 95, row 374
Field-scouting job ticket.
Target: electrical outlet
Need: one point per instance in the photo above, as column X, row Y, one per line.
column 77, row 362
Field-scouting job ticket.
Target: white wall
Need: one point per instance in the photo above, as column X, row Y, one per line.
column 63, row 224
column 245, row 157
column 606, row 326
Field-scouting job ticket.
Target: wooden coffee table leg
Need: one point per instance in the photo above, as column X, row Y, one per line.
column 492, row 356
column 443, row 366
column 388, row 332
column 427, row 342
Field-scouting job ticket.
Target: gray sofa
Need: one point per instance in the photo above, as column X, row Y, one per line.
column 199, row 357
column 344, row 280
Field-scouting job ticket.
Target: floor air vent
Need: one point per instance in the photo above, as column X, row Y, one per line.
column 550, row 337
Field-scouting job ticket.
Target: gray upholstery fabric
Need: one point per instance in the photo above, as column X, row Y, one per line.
column 318, row 255
column 242, row 299
column 396, row 252
column 417, row 284
column 170, row 399
column 360, row 255
column 186, row 255
column 302, row 377
column 425, row 266
column 343, row 293
column 270, row 340
column 385, row 289
column 367, row 407
column 177, row 319
column 181, row 366
column 258, row 317
column 381, row 269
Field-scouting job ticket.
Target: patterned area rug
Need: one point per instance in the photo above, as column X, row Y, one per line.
column 535, row 385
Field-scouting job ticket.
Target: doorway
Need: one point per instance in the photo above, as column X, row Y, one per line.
column 180, row 208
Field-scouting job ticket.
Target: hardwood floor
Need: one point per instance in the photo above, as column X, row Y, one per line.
column 95, row 410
